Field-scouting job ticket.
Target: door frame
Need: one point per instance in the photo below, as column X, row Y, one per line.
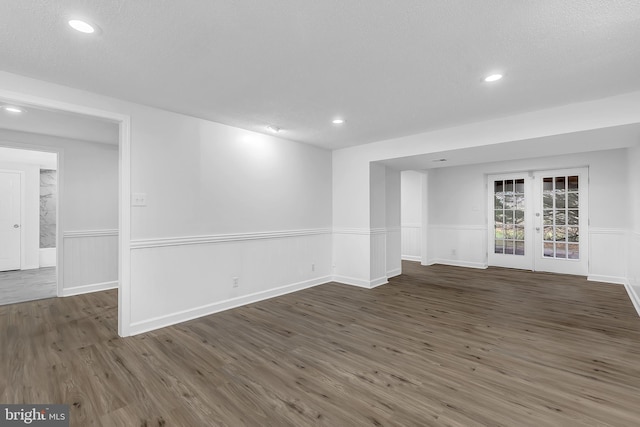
column 23, row 254
column 531, row 188
column 124, row 186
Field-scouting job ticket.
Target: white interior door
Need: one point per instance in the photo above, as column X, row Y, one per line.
column 10, row 227
column 539, row 221
column 561, row 221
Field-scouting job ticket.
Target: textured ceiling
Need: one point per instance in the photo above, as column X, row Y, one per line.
column 60, row 124
column 391, row 68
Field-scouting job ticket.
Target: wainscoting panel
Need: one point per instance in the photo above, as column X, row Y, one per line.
column 394, row 250
column 458, row 245
column 184, row 278
column 378, row 257
column 633, row 269
column 411, row 248
column 90, row 261
column 351, row 258
column 607, row 255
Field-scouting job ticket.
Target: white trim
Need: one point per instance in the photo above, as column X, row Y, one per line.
column 361, row 231
column 606, row 279
column 635, row 299
column 352, row 281
column 457, row 263
column 411, row 225
column 393, row 273
column 124, row 225
column 365, row 231
column 48, row 257
column 599, row 230
column 220, row 238
column 458, row 227
column 411, row 258
column 393, row 229
column 85, row 289
column 361, row 283
column 207, row 309
column 378, row 282
column 89, row 233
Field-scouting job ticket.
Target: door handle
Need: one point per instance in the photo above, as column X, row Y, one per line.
column 16, row 226
column 538, row 229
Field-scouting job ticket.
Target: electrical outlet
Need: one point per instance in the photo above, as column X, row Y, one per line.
column 139, row 199
column 235, row 282
column 313, row 267
column 453, row 252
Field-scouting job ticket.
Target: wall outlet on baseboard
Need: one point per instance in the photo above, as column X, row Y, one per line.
column 313, row 267
column 235, row 281
column 453, row 252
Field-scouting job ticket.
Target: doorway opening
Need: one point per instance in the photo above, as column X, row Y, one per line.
column 62, row 114
column 28, row 225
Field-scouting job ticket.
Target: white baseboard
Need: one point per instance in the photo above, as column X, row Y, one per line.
column 361, row 283
column 85, row 289
column 457, row 263
column 205, row 310
column 411, row 258
column 607, row 279
column 47, row 257
column 393, row 273
column 633, row 295
column 378, row 282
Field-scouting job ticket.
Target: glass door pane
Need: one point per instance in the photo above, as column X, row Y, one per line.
column 509, row 216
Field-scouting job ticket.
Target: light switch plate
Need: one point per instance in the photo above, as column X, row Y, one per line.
column 139, row 199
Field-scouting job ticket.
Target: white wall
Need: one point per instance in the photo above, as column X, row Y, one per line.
column 30, row 247
column 411, row 199
column 457, row 209
column 88, row 220
column 222, row 202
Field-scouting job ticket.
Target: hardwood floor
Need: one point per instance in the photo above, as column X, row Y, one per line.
column 27, row 285
column 437, row 346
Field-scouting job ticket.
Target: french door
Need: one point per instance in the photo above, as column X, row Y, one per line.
column 538, row 221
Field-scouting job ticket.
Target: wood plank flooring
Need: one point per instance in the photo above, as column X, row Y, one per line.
column 27, row 285
column 437, row 346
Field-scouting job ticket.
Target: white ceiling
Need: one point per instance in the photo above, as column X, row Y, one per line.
column 390, row 68
column 60, row 124
column 576, row 142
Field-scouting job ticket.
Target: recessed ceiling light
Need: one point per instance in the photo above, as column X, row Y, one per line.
column 273, row 129
column 14, row 109
column 338, row 121
column 493, row 78
column 82, row 26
